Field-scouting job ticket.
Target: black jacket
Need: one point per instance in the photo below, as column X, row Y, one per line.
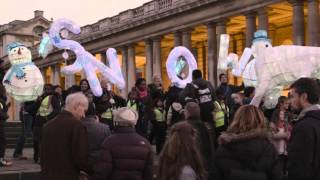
column 3, row 110
column 247, row 156
column 97, row 133
column 304, row 148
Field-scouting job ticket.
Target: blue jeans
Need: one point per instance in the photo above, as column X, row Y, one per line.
column 25, row 131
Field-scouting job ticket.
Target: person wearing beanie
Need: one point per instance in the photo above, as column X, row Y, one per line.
column 125, row 154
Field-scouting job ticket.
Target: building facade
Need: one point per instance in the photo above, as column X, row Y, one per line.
column 144, row 36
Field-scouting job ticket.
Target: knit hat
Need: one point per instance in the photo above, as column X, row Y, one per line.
column 125, row 115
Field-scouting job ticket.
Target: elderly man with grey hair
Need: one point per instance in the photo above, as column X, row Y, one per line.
column 64, row 150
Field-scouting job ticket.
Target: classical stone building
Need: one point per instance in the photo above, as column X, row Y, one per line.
column 144, row 36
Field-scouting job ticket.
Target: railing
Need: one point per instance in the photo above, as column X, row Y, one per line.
column 165, row 4
column 138, row 12
column 148, row 9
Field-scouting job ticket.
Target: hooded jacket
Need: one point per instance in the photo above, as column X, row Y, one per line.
column 246, row 156
column 304, row 146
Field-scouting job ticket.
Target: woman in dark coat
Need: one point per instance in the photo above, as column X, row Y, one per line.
column 245, row 151
column 125, row 154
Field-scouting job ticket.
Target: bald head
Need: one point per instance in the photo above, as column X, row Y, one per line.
column 77, row 104
column 192, row 111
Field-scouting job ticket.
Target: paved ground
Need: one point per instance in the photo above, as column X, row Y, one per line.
column 28, row 165
column 20, row 165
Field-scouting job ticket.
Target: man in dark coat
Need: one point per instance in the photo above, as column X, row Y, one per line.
column 202, row 92
column 228, row 89
column 125, row 154
column 304, row 145
column 205, row 139
column 64, row 149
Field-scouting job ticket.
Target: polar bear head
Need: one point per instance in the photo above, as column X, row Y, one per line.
column 260, row 42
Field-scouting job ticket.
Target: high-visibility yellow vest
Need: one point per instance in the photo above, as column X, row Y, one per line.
column 159, row 115
column 132, row 105
column 45, row 108
column 107, row 114
column 219, row 114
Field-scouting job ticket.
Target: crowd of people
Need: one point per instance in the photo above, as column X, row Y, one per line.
column 199, row 132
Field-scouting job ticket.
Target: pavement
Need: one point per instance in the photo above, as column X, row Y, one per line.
column 20, row 165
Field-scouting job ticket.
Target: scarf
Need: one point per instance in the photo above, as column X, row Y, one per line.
column 17, row 69
column 311, row 108
column 142, row 94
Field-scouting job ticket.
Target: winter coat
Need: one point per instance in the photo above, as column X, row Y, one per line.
column 64, row 148
column 97, row 133
column 248, row 156
column 125, row 155
column 304, row 146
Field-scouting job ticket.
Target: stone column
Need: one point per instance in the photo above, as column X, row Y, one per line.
column 177, row 38
column 186, row 38
column 313, row 23
column 149, row 62
column 104, row 58
column 251, row 28
column 212, row 53
column 221, row 29
column 124, row 69
column 69, row 79
column 263, row 19
column 131, row 66
column 298, row 22
column 56, row 75
column 53, row 69
column 44, row 74
column 157, row 56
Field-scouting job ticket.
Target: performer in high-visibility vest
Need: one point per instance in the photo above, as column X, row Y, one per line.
column 108, row 102
column 48, row 107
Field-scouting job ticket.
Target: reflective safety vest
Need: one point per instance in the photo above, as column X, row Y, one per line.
column 107, row 114
column 159, row 115
column 219, row 114
column 132, row 105
column 45, row 108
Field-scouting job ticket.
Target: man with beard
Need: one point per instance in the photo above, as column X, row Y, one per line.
column 304, row 145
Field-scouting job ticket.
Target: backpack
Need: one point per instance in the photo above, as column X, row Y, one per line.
column 205, row 100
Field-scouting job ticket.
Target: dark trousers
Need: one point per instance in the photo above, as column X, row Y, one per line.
column 37, row 129
column 2, row 139
column 159, row 132
column 142, row 127
column 25, row 132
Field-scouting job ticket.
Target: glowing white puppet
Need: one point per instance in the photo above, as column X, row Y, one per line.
column 246, row 66
column 23, row 81
column 175, row 64
column 84, row 60
column 278, row 67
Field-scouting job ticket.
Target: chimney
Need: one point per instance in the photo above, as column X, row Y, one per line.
column 38, row 13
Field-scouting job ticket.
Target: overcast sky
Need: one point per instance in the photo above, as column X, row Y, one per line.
column 81, row 11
